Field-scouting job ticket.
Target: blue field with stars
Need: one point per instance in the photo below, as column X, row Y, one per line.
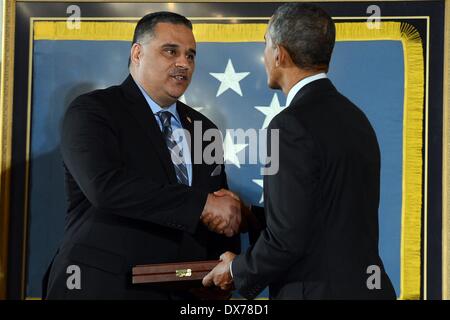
column 230, row 87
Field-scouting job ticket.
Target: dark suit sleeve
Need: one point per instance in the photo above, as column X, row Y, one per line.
column 91, row 151
column 255, row 230
column 290, row 210
column 219, row 243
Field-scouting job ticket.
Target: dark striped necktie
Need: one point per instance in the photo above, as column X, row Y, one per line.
column 176, row 151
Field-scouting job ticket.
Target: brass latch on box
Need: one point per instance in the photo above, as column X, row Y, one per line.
column 183, row 273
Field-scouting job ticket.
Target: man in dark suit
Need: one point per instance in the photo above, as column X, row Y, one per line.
column 135, row 194
column 320, row 239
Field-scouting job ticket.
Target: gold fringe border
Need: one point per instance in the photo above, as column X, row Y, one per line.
column 413, row 144
column 123, row 31
column 412, row 199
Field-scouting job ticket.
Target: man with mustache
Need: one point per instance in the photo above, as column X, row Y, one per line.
column 320, row 235
column 134, row 195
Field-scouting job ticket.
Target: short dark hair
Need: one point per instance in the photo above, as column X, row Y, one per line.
column 146, row 26
column 306, row 31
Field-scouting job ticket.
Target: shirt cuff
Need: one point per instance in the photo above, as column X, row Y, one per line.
column 231, row 270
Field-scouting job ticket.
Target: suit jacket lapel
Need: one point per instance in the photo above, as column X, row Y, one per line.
column 143, row 114
column 188, row 123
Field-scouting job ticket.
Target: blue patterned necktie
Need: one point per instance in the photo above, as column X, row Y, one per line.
column 176, row 152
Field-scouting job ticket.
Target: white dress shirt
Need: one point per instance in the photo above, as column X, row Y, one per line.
column 175, row 122
column 297, row 87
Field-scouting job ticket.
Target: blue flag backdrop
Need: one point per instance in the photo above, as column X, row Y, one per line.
column 380, row 70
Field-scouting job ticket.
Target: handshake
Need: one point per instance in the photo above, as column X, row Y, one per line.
column 225, row 213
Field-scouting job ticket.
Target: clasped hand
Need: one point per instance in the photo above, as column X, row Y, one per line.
column 222, row 213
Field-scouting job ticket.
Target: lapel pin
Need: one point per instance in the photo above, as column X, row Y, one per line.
column 189, row 119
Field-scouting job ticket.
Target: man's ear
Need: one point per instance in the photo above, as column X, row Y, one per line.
column 282, row 56
column 135, row 53
column 277, row 56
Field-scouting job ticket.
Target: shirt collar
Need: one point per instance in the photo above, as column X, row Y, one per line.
column 156, row 108
column 296, row 88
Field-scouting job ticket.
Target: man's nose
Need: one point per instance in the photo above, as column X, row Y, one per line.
column 182, row 62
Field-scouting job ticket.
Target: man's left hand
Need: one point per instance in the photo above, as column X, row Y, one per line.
column 220, row 276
